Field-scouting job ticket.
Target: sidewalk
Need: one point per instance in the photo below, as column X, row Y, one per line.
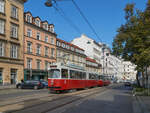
column 3, row 87
column 141, row 104
column 144, row 102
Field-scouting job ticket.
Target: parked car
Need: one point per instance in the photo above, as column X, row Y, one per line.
column 127, row 84
column 30, row 84
column 45, row 83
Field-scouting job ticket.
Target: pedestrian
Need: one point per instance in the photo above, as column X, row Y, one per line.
column 22, row 81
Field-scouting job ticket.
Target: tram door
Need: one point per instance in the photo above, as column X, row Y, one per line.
column 64, row 75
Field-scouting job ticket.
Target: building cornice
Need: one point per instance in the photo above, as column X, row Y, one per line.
column 72, row 52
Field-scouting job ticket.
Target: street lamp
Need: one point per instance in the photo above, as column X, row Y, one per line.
column 48, row 3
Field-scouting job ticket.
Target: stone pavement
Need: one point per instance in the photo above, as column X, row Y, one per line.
column 141, row 104
column 3, row 87
column 144, row 102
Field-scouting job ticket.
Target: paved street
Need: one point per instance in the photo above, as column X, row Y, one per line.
column 112, row 99
column 13, row 93
column 116, row 100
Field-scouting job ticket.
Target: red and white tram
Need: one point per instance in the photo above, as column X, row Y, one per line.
column 66, row 77
column 100, row 80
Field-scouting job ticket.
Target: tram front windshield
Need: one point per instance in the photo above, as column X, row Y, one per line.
column 54, row 73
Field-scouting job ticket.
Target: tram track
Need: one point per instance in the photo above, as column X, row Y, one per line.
column 27, row 99
column 21, row 99
column 79, row 98
column 55, row 101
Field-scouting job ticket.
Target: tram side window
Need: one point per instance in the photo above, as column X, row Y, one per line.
column 101, row 77
column 84, row 75
column 96, row 77
column 79, row 75
column 72, row 74
column 64, row 73
column 91, row 76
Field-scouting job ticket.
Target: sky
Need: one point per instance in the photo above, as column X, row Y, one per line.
column 106, row 16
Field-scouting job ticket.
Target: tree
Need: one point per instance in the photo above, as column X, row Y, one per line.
column 133, row 39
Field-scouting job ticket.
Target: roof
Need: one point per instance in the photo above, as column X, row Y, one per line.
column 72, row 45
column 91, row 60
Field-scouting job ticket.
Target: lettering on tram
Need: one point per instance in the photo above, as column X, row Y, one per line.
column 63, row 77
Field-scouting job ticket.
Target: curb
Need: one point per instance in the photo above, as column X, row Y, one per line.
column 6, row 88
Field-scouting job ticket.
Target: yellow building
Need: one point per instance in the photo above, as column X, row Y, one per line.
column 93, row 66
column 11, row 41
column 70, row 53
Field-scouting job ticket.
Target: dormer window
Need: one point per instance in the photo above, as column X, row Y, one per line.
column 45, row 26
column 29, row 19
column 37, row 22
column 72, row 48
column 58, row 43
column 51, row 29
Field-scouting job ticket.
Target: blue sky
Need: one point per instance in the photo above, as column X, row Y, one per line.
column 104, row 15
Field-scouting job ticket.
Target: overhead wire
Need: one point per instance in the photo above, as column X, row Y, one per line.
column 86, row 20
column 62, row 13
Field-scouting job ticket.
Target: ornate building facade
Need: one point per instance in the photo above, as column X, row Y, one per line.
column 11, row 41
column 39, row 47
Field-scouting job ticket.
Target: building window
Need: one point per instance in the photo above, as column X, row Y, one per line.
column 38, row 62
column 2, row 26
column 45, row 26
column 2, row 6
column 29, row 32
column 14, row 12
column 14, row 31
column 1, row 76
column 73, row 59
column 46, row 65
column 72, row 48
column 38, row 37
column 52, row 40
column 52, row 29
column 14, row 51
column 13, row 76
column 29, row 19
column 58, row 53
column 29, row 47
column 29, row 63
column 38, row 50
column 46, row 51
column 58, row 43
column 37, row 22
column 46, row 38
column 52, row 52
column 63, row 45
column 2, row 49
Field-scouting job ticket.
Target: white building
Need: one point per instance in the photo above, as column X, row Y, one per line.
column 97, row 51
column 111, row 65
column 129, row 71
column 91, row 47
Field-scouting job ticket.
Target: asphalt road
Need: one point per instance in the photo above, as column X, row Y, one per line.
column 115, row 100
column 13, row 93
